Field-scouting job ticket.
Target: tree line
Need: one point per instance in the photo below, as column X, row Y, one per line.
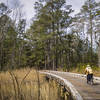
column 55, row 38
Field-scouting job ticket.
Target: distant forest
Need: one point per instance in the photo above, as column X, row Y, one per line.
column 55, row 39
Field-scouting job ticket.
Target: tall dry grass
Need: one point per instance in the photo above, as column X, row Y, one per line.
column 28, row 84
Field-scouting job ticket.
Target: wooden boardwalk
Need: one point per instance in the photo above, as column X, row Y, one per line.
column 88, row 92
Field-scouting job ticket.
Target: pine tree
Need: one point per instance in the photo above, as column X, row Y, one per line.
column 52, row 20
column 88, row 20
column 88, row 9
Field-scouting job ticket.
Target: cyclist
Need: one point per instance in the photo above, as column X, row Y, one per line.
column 89, row 73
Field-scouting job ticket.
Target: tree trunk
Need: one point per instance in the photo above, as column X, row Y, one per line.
column 91, row 33
column 99, row 54
column 53, row 64
column 45, row 62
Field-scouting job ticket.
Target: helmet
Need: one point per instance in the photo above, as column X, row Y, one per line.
column 88, row 66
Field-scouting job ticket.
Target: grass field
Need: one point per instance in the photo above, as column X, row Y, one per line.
column 28, row 84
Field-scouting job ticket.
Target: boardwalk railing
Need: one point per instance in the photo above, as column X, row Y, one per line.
column 74, row 93
column 78, row 75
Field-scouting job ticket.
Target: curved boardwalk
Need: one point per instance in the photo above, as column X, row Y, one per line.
column 88, row 92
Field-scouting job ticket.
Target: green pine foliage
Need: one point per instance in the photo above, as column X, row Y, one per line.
column 55, row 39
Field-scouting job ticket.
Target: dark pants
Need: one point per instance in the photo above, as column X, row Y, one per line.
column 89, row 77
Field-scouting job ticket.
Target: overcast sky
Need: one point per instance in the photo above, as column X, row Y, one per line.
column 28, row 6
